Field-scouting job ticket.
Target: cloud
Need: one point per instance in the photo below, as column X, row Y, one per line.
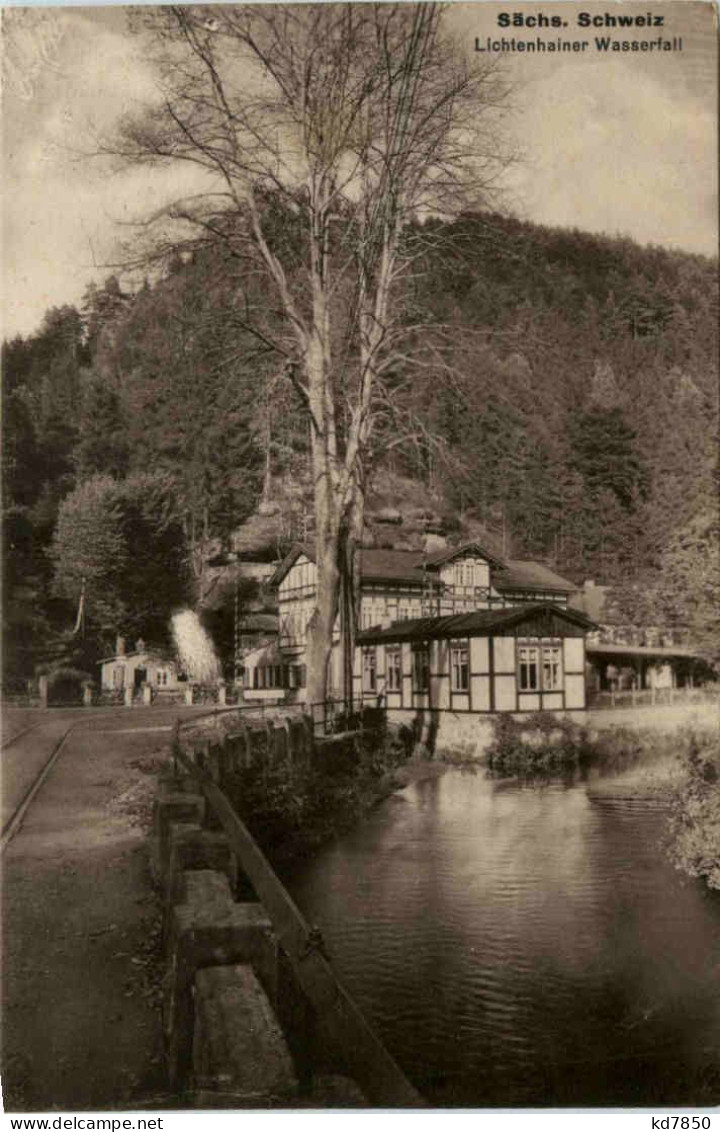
column 623, row 155
column 610, row 146
column 68, row 80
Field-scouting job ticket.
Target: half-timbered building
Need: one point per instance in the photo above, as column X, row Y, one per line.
column 514, row 659
column 467, row 602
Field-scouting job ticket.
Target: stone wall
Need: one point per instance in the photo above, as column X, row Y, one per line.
column 462, row 733
column 225, row 985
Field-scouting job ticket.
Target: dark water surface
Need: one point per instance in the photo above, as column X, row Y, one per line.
column 525, row 945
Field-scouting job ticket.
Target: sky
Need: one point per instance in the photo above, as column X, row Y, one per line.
column 611, row 143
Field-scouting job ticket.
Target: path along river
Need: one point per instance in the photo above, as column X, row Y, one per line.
column 523, row 945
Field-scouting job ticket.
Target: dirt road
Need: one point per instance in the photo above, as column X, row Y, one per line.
column 81, row 1022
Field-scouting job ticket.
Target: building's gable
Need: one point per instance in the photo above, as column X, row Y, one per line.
column 441, row 558
column 299, row 581
column 466, row 573
column 548, row 622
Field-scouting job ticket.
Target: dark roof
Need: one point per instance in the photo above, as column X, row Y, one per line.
column 533, row 575
column 258, row 622
column 450, row 552
column 477, row 624
column 381, row 565
column 288, row 561
column 392, row 565
column 410, row 566
column 659, row 651
column 151, row 653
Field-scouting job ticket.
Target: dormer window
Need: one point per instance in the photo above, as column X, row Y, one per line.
column 464, row 574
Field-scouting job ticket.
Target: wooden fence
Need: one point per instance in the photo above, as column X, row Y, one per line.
column 207, row 761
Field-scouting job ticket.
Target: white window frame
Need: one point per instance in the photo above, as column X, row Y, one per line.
column 421, row 668
column 545, row 658
column 528, row 662
column 460, row 666
column 464, row 574
column 552, row 667
column 393, row 664
column 369, row 663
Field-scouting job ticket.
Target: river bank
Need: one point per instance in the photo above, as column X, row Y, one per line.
column 678, row 770
column 293, row 808
column 295, row 805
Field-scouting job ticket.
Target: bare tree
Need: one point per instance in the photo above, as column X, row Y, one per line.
column 326, row 134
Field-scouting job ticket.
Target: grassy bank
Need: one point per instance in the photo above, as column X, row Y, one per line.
column 695, row 817
column 680, row 769
column 292, row 808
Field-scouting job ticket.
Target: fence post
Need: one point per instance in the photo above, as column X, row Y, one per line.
column 289, row 751
column 270, row 741
column 247, row 742
column 309, row 735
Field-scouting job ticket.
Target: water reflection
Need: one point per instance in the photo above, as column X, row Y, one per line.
column 519, row 945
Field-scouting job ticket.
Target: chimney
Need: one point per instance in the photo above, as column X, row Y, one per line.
column 120, row 646
column 433, row 542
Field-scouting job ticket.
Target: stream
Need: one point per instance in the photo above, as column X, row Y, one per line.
column 524, row 945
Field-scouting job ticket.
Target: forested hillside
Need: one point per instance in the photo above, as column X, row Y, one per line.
column 555, row 390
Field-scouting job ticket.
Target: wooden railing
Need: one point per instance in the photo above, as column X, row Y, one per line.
column 339, row 1018
column 651, row 697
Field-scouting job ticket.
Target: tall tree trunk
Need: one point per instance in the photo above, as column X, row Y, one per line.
column 321, row 626
column 322, row 623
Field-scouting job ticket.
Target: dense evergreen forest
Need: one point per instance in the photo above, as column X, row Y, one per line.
column 555, row 390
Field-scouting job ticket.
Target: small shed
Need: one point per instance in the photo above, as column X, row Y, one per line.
column 141, row 665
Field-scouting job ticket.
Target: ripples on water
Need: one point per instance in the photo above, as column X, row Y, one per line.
column 523, row 945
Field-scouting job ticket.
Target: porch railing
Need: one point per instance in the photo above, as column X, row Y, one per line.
column 331, row 717
column 652, row 697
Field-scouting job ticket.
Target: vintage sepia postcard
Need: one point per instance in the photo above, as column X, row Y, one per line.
column 360, row 662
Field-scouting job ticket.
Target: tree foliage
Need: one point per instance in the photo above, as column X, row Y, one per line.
column 325, row 130
column 519, row 337
column 117, row 545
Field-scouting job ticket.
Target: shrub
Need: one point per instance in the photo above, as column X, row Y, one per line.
column 291, row 807
column 65, row 685
column 695, row 824
column 539, row 743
